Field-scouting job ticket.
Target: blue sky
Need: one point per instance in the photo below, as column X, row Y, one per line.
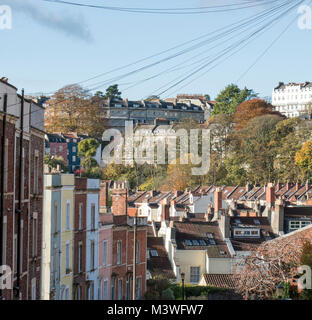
column 51, row 45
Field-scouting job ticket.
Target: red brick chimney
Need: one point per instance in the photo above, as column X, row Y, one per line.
column 288, row 185
column 297, row 185
column 217, row 201
column 164, row 210
column 103, row 196
column 270, row 194
column 119, row 199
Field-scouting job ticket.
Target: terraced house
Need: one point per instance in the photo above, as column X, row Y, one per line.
column 117, row 111
column 21, row 188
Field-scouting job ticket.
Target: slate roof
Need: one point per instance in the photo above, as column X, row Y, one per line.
column 197, row 230
column 159, row 264
column 246, row 243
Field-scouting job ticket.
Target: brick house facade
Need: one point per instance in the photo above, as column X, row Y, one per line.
column 31, row 192
column 80, row 239
column 123, row 248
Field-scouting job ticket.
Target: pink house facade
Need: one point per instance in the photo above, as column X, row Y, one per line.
column 105, row 236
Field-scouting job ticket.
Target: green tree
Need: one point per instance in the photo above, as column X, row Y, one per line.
column 87, row 150
column 112, row 92
column 229, row 98
column 54, row 161
column 99, row 94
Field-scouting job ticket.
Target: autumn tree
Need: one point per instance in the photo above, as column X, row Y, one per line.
column 252, row 109
column 286, row 140
column 303, row 159
column 179, row 175
column 71, row 110
column 231, row 97
column 272, row 263
column 253, row 148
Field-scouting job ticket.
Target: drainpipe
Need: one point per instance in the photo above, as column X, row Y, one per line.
column 19, row 209
column 5, row 103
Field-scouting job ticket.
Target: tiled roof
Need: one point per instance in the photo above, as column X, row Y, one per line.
column 227, row 281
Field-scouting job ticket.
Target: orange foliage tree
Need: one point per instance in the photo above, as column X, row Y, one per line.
column 251, row 109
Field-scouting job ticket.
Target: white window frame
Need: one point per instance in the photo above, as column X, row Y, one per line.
column 194, row 274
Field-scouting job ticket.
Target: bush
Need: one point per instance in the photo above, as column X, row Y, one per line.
column 194, row 291
column 167, row 294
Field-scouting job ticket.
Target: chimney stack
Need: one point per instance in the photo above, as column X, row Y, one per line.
column 270, row 195
column 278, row 186
column 103, row 196
column 288, row 185
column 217, row 202
column 164, row 210
column 297, row 185
column 119, row 199
column 248, row 187
column 224, row 225
column 277, row 218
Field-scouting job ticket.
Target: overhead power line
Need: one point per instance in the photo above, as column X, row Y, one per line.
column 171, row 11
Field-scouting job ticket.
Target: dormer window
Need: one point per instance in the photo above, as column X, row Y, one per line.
column 247, row 232
column 298, row 224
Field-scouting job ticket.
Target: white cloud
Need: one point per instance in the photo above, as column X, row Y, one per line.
column 74, row 26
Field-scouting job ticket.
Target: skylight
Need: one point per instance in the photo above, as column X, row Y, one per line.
column 154, row 253
column 212, row 242
column 238, row 221
column 195, row 242
column 188, row 242
column 202, row 242
column 209, row 235
column 256, row 221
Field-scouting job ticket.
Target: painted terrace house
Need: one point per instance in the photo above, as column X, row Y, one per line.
column 105, row 245
column 21, row 186
column 58, row 237
column 123, row 248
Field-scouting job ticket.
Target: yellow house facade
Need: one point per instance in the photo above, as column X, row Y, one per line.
column 67, row 236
